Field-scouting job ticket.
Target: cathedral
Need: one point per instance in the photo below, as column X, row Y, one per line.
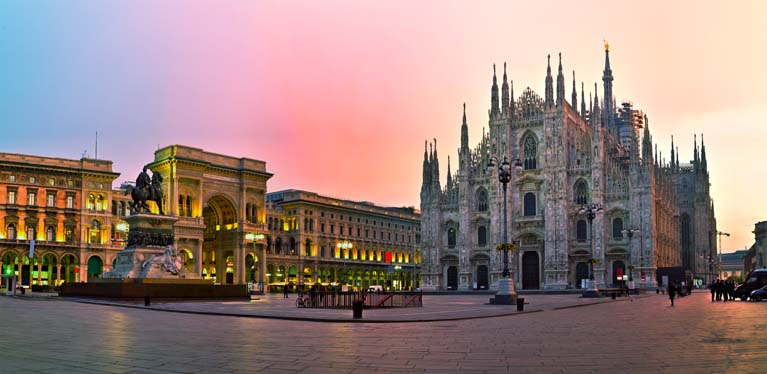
column 589, row 196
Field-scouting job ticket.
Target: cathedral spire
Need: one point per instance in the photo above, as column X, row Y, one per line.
column 505, row 93
column 607, row 81
column 426, row 181
column 646, row 142
column 560, row 83
column 703, row 163
column 464, row 133
column 435, row 169
column 673, row 158
column 595, row 115
column 449, row 177
column 583, row 101
column 495, row 109
column 549, row 100
column 511, row 102
column 575, row 94
column 695, row 158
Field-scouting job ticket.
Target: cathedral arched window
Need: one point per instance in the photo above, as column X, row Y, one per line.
column 618, row 228
column 482, row 200
column 580, row 230
column 581, row 193
column 451, row 237
column 481, row 236
column 530, row 149
column 529, row 204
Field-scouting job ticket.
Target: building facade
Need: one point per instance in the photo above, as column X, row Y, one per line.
column 569, row 156
column 220, row 202
column 60, row 207
column 756, row 258
column 315, row 239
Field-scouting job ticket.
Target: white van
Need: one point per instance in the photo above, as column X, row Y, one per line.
column 375, row 288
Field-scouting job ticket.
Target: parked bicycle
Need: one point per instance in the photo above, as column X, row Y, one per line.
column 303, row 301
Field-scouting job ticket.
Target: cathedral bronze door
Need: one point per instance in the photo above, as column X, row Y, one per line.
column 482, row 279
column 619, row 269
column 581, row 272
column 452, row 278
column 530, row 271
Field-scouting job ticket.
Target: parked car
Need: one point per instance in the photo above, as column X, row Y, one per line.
column 760, row 294
column 755, row 280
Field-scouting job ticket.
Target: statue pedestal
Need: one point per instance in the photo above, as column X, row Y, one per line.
column 150, row 252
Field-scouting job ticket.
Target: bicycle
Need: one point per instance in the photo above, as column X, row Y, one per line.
column 303, row 302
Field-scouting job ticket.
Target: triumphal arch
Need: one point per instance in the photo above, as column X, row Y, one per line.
column 220, row 202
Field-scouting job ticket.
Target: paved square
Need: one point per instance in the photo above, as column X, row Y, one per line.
column 644, row 335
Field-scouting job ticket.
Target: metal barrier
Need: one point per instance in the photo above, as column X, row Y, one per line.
column 344, row 300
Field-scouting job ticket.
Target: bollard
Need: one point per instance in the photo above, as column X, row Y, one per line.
column 146, row 301
column 520, row 304
column 613, row 295
column 357, row 309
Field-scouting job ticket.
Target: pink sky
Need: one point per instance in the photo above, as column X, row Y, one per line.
column 338, row 97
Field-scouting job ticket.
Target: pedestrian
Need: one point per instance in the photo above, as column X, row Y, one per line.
column 725, row 287
column 285, row 291
column 718, row 290
column 671, row 292
column 712, row 288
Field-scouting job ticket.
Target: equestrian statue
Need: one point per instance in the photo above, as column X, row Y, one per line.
column 146, row 189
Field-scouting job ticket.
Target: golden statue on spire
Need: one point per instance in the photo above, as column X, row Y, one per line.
column 607, row 46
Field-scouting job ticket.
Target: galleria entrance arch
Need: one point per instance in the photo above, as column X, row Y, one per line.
column 220, row 202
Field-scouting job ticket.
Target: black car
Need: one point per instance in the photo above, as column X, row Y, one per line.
column 756, row 280
column 759, row 295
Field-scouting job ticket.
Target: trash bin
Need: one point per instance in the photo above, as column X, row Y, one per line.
column 520, row 304
column 357, row 310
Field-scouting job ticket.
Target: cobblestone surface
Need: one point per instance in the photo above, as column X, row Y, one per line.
column 641, row 336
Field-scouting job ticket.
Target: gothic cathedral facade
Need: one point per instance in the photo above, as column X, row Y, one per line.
column 649, row 213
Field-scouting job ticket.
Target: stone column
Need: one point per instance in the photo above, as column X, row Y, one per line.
column 84, row 273
column 262, row 264
column 1, row 273
column 58, row 275
column 198, row 259
column 40, row 273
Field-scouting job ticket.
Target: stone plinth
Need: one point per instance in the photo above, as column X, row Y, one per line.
column 506, row 294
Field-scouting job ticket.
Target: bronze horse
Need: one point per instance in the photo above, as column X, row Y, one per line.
column 141, row 196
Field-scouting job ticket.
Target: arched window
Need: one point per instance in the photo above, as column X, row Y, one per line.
column 529, row 204
column 91, row 202
column 581, row 193
column 618, row 228
column 31, row 232
column 101, row 204
column 530, row 147
column 11, row 231
column 308, row 248
column 481, row 236
column 50, row 234
column 268, row 244
column 580, row 230
column 293, row 246
column 95, row 234
column 451, row 237
column 482, row 200
column 278, row 246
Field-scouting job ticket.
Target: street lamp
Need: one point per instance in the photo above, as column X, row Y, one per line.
column 719, row 268
column 590, row 211
column 506, row 293
column 630, row 234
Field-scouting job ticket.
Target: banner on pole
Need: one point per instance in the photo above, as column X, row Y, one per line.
column 32, row 248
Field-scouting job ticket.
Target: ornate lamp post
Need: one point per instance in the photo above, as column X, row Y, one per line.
column 506, row 293
column 590, row 211
column 630, row 234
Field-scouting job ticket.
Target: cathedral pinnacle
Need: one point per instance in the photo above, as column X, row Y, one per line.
column 560, row 83
column 495, row 109
column 575, row 94
column 505, row 93
column 673, row 158
column 703, row 163
column 583, row 102
column 464, row 133
column 549, row 99
column 607, row 81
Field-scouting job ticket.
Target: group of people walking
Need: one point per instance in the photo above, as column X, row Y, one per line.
column 721, row 290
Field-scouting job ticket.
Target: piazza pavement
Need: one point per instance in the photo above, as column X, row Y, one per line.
column 451, row 333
